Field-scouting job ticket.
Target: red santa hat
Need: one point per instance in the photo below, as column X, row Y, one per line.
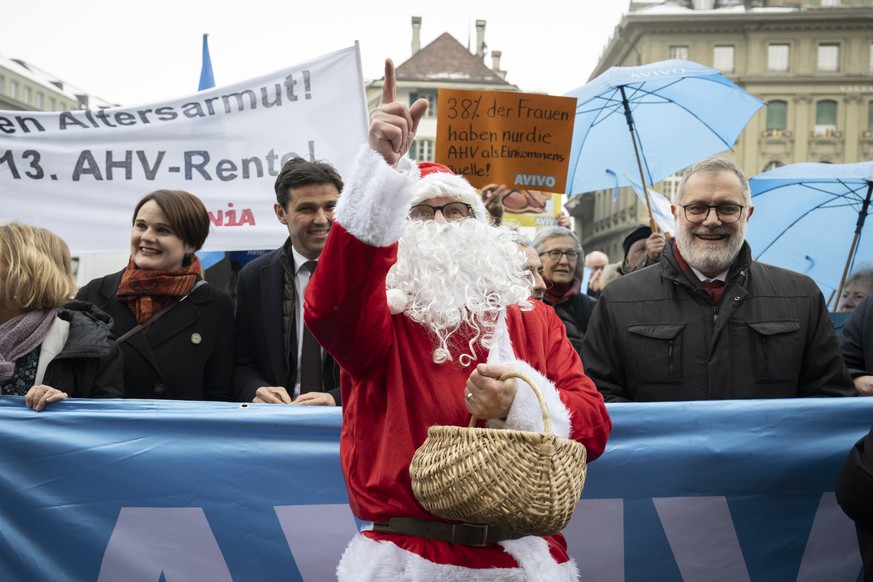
column 438, row 180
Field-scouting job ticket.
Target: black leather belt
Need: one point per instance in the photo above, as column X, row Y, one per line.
column 468, row 534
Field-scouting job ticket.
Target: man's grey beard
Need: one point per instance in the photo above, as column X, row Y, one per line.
column 712, row 260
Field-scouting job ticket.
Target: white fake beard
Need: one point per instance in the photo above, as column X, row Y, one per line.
column 709, row 259
column 457, row 278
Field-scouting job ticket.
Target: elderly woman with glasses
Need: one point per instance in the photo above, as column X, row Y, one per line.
column 559, row 250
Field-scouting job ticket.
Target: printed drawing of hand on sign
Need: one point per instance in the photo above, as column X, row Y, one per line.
column 513, row 201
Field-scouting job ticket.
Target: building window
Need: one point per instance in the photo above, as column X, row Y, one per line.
column 3, row 81
column 723, row 58
column 670, row 186
column 679, row 52
column 826, row 119
column 777, row 58
column 831, row 2
column 869, row 119
column 51, row 104
column 431, row 102
column 13, row 89
column 40, row 101
column 27, row 95
column 422, row 150
column 828, row 57
column 772, row 165
column 777, row 118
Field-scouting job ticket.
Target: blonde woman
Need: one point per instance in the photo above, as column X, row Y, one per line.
column 51, row 348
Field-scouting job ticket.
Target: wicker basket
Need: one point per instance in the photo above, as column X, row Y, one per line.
column 527, row 482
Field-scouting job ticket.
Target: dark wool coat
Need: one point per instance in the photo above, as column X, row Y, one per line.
column 856, row 339
column 187, row 354
column 575, row 312
column 855, row 495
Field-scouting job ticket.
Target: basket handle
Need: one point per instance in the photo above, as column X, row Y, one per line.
column 547, row 423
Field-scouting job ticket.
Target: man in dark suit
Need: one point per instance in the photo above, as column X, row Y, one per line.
column 277, row 360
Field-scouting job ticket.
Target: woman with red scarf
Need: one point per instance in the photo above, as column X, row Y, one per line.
column 176, row 331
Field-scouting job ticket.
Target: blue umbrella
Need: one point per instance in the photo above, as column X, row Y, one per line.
column 803, row 220
column 653, row 121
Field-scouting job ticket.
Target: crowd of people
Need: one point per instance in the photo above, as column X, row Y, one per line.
column 423, row 302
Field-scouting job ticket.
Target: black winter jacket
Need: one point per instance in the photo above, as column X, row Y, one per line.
column 856, row 339
column 854, row 492
column 655, row 336
column 575, row 312
column 90, row 365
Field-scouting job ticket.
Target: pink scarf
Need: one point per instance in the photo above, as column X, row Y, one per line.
column 20, row 335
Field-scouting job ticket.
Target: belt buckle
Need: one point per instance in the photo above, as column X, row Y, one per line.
column 470, row 534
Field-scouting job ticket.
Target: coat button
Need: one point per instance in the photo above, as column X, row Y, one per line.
column 195, row 338
column 159, row 389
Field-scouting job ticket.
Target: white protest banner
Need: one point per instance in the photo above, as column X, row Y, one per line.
column 80, row 173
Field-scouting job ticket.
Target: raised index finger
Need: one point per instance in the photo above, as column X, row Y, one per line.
column 389, row 86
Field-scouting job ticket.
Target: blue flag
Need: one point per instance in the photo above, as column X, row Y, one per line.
column 207, row 81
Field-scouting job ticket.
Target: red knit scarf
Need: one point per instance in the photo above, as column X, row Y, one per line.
column 714, row 288
column 557, row 294
column 147, row 292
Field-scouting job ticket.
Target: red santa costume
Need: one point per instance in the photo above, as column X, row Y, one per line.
column 393, row 387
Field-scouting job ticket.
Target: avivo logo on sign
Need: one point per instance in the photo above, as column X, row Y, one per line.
column 538, row 180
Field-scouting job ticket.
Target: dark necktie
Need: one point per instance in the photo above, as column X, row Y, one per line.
column 310, row 353
column 714, row 288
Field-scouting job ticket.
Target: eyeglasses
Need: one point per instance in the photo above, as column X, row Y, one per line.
column 452, row 211
column 556, row 255
column 727, row 213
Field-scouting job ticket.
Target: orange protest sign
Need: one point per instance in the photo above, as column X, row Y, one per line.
column 517, row 139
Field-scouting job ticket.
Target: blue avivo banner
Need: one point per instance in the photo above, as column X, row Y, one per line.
column 148, row 491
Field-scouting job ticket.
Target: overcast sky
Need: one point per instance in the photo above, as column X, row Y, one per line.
column 135, row 52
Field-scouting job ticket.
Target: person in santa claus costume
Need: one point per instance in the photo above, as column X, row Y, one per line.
column 425, row 305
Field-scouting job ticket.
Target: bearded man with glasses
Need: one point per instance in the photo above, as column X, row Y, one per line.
column 708, row 322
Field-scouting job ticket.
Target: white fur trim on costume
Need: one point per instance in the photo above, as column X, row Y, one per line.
column 397, row 301
column 374, row 204
column 368, row 560
column 525, row 413
column 532, row 554
column 501, row 348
